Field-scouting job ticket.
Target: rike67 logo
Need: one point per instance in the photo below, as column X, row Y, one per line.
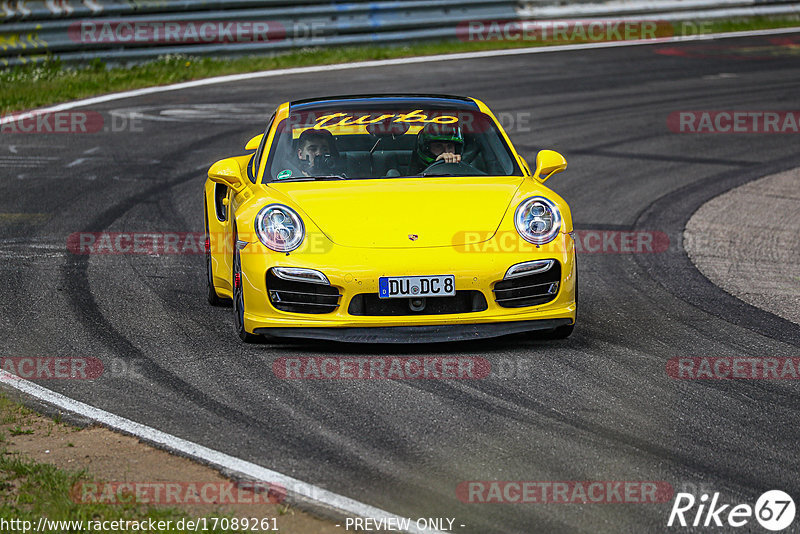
column 774, row 511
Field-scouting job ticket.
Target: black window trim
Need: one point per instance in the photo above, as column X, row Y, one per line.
column 255, row 161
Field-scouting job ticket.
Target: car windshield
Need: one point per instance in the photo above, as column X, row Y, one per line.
column 359, row 143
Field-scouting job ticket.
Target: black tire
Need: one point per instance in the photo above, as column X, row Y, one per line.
column 211, row 292
column 563, row 332
column 238, row 298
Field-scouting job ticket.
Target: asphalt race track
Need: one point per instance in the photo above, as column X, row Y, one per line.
column 598, row 406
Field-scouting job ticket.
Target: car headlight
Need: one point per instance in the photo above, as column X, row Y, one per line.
column 537, row 220
column 280, row 228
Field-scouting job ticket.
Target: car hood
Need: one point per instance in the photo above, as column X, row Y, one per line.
column 404, row 212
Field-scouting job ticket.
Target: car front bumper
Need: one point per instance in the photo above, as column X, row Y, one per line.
column 356, row 271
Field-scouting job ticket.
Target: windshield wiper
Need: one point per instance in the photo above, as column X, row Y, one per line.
column 311, row 178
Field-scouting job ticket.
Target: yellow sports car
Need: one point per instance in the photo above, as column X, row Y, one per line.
column 389, row 218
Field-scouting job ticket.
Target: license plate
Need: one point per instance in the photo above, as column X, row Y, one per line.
column 392, row 287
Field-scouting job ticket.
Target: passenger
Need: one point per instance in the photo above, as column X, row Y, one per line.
column 317, row 154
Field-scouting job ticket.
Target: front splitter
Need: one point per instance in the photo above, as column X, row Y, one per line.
column 415, row 334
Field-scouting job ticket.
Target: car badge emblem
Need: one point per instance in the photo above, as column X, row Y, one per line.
column 413, row 237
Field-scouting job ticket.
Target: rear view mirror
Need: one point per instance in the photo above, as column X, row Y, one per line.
column 227, row 172
column 387, row 128
column 548, row 163
column 253, row 143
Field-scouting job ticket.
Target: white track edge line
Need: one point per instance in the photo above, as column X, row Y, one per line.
column 384, row 63
column 308, row 492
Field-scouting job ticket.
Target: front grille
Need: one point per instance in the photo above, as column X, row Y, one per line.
column 301, row 297
column 530, row 290
column 463, row 302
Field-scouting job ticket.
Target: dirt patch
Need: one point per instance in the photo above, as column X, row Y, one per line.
column 111, row 457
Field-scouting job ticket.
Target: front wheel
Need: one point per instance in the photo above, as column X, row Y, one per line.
column 211, row 292
column 238, row 298
column 562, row 332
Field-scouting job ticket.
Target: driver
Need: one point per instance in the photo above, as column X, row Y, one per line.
column 316, row 152
column 436, row 142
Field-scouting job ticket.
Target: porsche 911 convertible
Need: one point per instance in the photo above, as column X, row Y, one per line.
column 389, row 218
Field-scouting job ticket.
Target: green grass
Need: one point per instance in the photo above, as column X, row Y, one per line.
column 30, row 490
column 49, row 82
column 12, row 413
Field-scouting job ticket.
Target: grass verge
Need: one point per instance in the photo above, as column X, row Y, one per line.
column 50, row 82
column 30, row 490
column 52, row 470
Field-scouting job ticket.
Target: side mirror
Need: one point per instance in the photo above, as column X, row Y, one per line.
column 548, row 163
column 253, row 143
column 227, row 172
